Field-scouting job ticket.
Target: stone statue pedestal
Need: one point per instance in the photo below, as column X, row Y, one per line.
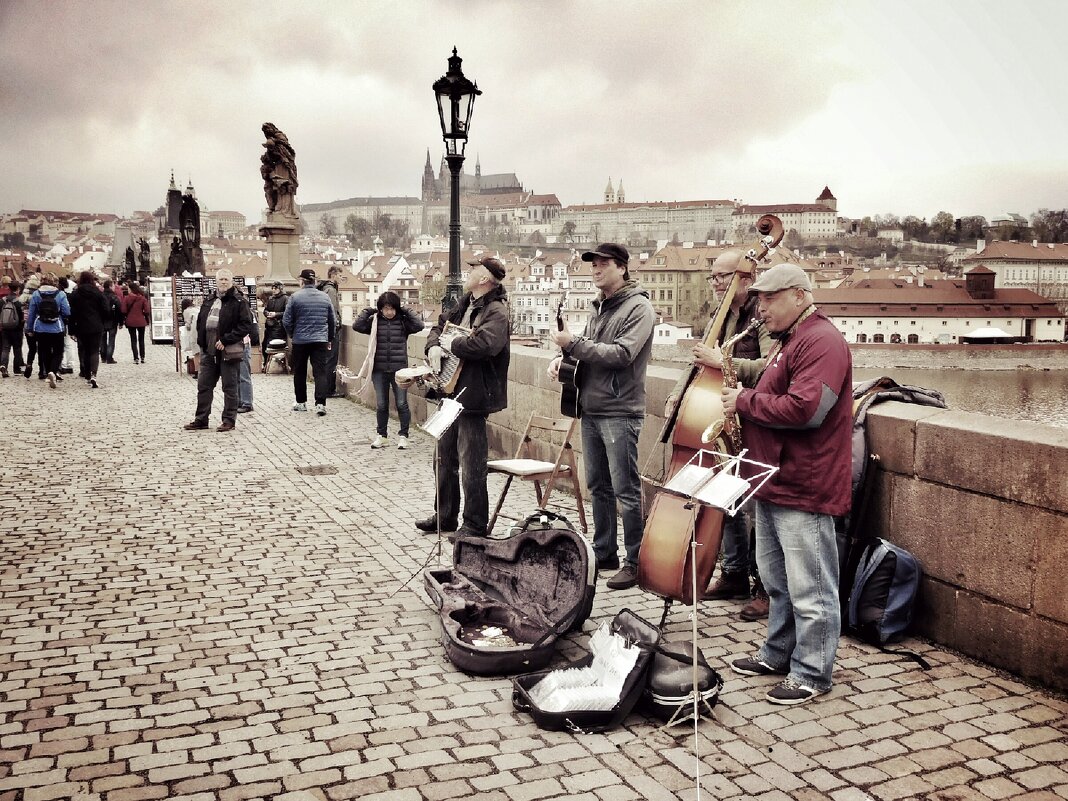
column 282, row 233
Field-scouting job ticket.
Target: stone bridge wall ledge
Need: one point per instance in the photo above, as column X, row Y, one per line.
column 981, row 501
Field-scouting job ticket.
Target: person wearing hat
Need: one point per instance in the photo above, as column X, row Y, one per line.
column 330, row 288
column 483, row 381
column 309, row 321
column 798, row 418
column 747, row 356
column 613, row 355
column 273, row 309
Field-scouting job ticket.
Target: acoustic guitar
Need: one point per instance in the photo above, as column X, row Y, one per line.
column 570, row 405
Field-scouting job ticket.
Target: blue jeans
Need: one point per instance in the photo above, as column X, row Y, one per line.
column 382, row 381
column 797, row 553
column 244, row 380
column 462, row 454
column 610, row 451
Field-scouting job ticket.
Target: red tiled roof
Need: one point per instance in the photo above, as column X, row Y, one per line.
column 659, row 204
column 783, row 207
column 1021, row 251
column 947, row 299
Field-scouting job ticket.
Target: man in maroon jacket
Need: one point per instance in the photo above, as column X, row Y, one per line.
column 797, row 418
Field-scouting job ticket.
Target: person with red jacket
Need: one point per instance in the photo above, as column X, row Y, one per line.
column 136, row 313
column 797, row 418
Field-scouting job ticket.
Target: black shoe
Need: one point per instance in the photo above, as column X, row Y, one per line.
column 3, row 370
column 728, row 586
column 754, row 667
column 244, row 409
column 467, row 531
column 194, row 426
column 93, row 383
column 111, row 361
column 431, row 524
column 67, row 370
column 608, row 563
column 791, row 693
column 27, row 371
column 626, row 578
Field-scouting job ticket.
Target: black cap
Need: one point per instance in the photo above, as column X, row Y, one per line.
column 495, row 267
column 609, row 250
column 307, row 274
column 276, row 285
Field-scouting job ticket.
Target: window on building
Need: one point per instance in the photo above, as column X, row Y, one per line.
column 671, row 294
column 914, row 339
column 862, row 338
column 945, row 322
column 877, row 338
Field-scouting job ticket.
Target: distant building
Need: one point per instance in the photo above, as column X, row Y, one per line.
column 1037, row 266
column 639, row 223
column 815, row 220
column 899, row 311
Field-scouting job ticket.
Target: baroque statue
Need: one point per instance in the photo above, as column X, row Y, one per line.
column 278, row 167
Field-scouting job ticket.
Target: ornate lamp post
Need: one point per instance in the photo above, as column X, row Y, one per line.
column 456, row 100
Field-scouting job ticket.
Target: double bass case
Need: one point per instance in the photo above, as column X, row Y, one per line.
column 505, row 602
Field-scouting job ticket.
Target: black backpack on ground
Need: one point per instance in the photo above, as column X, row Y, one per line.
column 48, row 309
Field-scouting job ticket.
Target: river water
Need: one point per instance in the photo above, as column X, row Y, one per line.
column 1037, row 395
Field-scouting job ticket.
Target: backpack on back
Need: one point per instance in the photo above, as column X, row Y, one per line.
column 883, row 596
column 9, row 315
column 48, row 309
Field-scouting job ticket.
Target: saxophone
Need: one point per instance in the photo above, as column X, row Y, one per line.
column 730, row 425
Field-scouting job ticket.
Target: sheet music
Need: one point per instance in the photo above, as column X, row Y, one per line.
column 721, row 489
column 439, row 422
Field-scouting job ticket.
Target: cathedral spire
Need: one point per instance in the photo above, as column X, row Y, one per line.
column 172, row 186
column 609, row 192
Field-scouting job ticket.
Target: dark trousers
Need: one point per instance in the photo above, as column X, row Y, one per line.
column 318, row 354
column 382, row 382
column 107, row 343
column 462, row 454
column 31, row 350
column 49, row 352
column 137, row 341
column 89, row 354
column 11, row 341
column 212, row 368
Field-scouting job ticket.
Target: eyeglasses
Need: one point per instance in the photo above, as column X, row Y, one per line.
column 719, row 276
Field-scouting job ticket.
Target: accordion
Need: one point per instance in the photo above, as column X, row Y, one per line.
column 450, row 364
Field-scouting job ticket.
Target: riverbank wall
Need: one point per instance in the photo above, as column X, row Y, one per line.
column 982, row 505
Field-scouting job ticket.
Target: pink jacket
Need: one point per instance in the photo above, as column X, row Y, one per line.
column 799, row 418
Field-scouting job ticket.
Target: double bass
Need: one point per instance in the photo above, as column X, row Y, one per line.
column 666, row 560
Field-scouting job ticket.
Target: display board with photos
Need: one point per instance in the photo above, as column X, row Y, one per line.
column 198, row 287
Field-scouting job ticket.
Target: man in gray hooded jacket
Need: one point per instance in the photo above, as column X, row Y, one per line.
column 613, row 355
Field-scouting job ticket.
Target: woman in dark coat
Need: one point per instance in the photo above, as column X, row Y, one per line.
column 89, row 316
column 394, row 326
column 136, row 313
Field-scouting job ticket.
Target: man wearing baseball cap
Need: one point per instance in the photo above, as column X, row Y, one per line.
column 463, row 449
column 309, row 321
column 797, row 418
column 613, row 355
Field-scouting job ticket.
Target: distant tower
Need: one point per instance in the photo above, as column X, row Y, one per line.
column 609, row 192
column 620, row 195
column 173, row 204
column 428, row 178
column 827, row 199
column 189, row 190
column 478, row 174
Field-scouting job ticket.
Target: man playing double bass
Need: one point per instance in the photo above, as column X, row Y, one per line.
column 798, row 418
column 739, row 559
column 613, row 356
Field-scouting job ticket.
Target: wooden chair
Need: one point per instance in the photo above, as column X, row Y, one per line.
column 539, row 472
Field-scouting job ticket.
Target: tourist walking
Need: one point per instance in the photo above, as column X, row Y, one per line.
column 47, row 318
column 12, row 323
column 136, row 313
column 32, row 284
column 89, row 313
column 70, row 352
column 111, row 329
column 390, row 325
column 309, row 321
column 330, row 289
column 223, row 322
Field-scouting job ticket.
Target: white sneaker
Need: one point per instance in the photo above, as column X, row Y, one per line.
column 320, row 409
column 52, row 380
column 402, row 443
column 93, row 382
column 300, row 407
column 379, row 442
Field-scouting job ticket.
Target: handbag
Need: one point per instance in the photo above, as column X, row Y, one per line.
column 234, row 352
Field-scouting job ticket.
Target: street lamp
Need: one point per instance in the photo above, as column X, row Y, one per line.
column 456, row 100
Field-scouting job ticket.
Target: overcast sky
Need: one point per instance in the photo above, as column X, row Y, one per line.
column 904, row 107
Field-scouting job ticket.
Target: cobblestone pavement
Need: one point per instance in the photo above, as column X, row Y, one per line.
column 187, row 615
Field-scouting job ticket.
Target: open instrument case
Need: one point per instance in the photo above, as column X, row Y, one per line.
column 505, row 602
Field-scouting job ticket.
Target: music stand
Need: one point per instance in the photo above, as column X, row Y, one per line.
column 710, row 478
column 436, row 425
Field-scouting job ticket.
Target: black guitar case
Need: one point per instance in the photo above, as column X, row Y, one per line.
column 505, row 602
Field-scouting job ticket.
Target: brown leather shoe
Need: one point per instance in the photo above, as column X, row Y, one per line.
column 194, row 426
column 226, row 426
column 728, row 586
column 757, row 608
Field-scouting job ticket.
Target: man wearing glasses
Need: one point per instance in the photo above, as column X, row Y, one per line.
column 739, row 558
